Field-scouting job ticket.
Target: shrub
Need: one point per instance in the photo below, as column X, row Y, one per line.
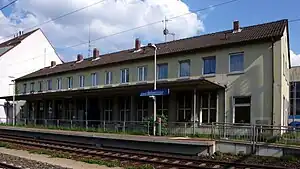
column 164, row 124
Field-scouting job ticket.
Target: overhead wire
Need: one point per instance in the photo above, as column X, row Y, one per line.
column 135, row 28
column 7, row 5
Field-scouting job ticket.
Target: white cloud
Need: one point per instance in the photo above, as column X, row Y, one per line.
column 295, row 58
column 105, row 18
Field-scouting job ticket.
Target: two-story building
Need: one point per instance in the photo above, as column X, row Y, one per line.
column 235, row 76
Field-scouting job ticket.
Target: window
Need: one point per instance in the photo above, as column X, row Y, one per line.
column 184, row 68
column 162, row 72
column 209, row 65
column 59, row 84
column 242, row 109
column 125, row 107
column 49, row 84
column 108, row 109
column 208, row 105
column 142, row 109
column 124, row 75
column 94, row 79
column 40, row 86
column 32, row 87
column 70, row 82
column 108, row 77
column 184, row 107
column 142, row 73
column 236, row 62
column 24, row 88
column 81, row 81
column 294, row 98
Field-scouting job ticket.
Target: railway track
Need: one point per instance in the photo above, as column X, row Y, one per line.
column 158, row 160
column 5, row 165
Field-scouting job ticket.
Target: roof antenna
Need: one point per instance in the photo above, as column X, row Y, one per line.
column 89, row 46
column 166, row 31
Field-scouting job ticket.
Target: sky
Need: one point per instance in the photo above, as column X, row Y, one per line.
column 105, row 22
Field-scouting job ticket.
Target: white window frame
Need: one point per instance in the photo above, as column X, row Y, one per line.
column 229, row 61
column 40, row 86
column 143, row 70
column 70, row 82
column 32, row 87
column 81, row 80
column 49, row 84
column 108, row 110
column 126, row 71
column 25, row 88
column 108, row 77
column 234, row 105
column 181, row 62
column 158, row 71
column 94, row 79
column 59, row 83
column 141, row 111
column 185, row 108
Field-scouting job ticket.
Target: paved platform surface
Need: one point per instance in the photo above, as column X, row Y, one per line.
column 158, row 139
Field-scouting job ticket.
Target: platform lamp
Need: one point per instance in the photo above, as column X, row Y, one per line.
column 14, row 93
column 154, row 87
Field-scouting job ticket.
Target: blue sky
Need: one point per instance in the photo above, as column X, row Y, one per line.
column 248, row 12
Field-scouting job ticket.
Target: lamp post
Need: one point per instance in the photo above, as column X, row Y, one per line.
column 14, row 93
column 154, row 87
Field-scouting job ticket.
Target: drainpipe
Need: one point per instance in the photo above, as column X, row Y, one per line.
column 272, row 122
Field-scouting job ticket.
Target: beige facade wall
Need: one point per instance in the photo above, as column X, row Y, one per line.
column 254, row 81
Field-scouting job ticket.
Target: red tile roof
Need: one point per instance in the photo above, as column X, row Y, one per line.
column 266, row 31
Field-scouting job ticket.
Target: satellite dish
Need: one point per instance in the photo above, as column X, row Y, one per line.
column 166, row 31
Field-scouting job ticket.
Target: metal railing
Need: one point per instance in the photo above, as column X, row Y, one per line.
column 256, row 134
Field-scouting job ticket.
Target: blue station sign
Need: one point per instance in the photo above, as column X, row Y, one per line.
column 157, row 92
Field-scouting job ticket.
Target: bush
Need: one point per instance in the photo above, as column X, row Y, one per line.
column 164, row 124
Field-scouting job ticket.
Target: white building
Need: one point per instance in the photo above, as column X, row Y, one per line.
column 25, row 53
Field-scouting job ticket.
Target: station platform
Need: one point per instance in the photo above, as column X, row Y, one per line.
column 180, row 145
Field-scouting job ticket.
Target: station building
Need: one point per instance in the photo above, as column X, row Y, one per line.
column 240, row 75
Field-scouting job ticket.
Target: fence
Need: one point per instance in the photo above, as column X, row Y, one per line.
column 217, row 131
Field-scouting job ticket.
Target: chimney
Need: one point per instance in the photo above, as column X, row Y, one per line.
column 53, row 63
column 137, row 44
column 236, row 26
column 95, row 53
column 79, row 57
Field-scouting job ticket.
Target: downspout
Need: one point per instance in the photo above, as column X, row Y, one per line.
column 272, row 122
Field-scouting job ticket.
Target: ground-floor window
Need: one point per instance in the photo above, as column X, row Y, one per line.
column 125, row 106
column 108, row 108
column 242, row 109
column 184, row 107
column 208, row 107
column 162, row 103
column 142, row 109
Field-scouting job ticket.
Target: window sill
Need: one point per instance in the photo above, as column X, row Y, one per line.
column 209, row 75
column 235, row 73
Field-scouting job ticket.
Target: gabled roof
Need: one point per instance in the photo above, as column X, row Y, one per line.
column 266, row 31
column 10, row 44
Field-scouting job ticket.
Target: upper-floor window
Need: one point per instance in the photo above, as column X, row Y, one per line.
column 108, row 77
column 70, row 82
column 49, row 84
column 24, row 88
column 236, row 62
column 81, row 81
column 32, row 87
column 142, row 73
column 184, row 68
column 40, row 86
column 59, row 83
column 124, row 75
column 162, row 72
column 209, row 65
column 94, row 79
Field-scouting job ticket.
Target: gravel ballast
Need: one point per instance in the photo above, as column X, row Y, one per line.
column 26, row 163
